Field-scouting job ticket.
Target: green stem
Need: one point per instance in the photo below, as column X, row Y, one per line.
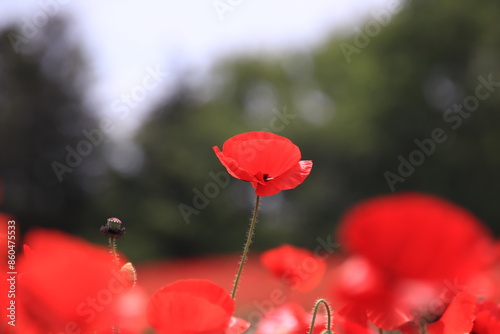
column 112, row 247
column 247, row 245
column 328, row 315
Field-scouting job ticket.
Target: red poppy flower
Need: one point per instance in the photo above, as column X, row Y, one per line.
column 67, row 285
column 290, row 318
column 270, row 162
column 194, row 306
column 487, row 318
column 456, row 319
column 296, row 267
column 416, row 236
column 410, row 249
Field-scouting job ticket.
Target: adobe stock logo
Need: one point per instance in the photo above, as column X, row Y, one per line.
column 454, row 118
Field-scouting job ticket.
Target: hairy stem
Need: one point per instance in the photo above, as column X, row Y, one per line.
column 247, row 245
column 112, row 247
column 328, row 315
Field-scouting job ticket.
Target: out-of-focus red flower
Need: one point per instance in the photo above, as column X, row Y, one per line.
column 487, row 318
column 67, row 285
column 290, row 318
column 407, row 251
column 457, row 318
column 270, row 162
column 130, row 310
column 416, row 236
column 344, row 325
column 297, row 267
column 193, row 306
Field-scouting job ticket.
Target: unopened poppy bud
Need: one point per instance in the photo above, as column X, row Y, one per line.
column 129, row 272
column 113, row 228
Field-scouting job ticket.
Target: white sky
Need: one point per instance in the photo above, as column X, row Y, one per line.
column 123, row 37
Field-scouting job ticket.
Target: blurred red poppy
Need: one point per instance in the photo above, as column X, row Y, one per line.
column 270, row 162
column 457, row 318
column 297, row 267
column 193, row 306
column 67, row 285
column 407, row 252
column 290, row 318
column 487, row 318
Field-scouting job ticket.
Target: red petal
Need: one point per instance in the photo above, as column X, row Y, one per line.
column 265, row 190
column 349, row 326
column 290, row 318
column 173, row 308
column 237, row 326
column 387, row 316
column 354, row 328
column 296, row 267
column 232, row 167
column 64, row 280
column 416, row 236
column 263, row 152
column 457, row 318
column 487, row 318
column 355, row 313
column 359, row 280
column 291, row 178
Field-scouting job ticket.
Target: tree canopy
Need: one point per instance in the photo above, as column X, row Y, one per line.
column 406, row 101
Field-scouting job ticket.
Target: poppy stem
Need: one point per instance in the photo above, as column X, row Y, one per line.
column 114, row 254
column 423, row 328
column 250, row 234
column 112, row 247
column 328, row 329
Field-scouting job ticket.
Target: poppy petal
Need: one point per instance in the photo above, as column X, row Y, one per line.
column 296, row 267
column 458, row 317
column 270, row 162
column 387, row 316
column 60, row 274
column 293, row 177
column 487, row 318
column 233, row 167
column 390, row 230
column 237, row 326
column 264, row 152
column 290, row 318
column 173, row 307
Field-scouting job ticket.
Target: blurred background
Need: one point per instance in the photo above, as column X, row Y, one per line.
column 112, row 110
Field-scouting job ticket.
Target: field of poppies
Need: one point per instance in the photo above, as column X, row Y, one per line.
column 407, row 262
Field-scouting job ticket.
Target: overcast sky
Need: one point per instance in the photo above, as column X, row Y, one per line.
column 128, row 40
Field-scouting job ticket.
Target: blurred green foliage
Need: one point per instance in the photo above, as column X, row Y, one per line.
column 42, row 116
column 357, row 116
